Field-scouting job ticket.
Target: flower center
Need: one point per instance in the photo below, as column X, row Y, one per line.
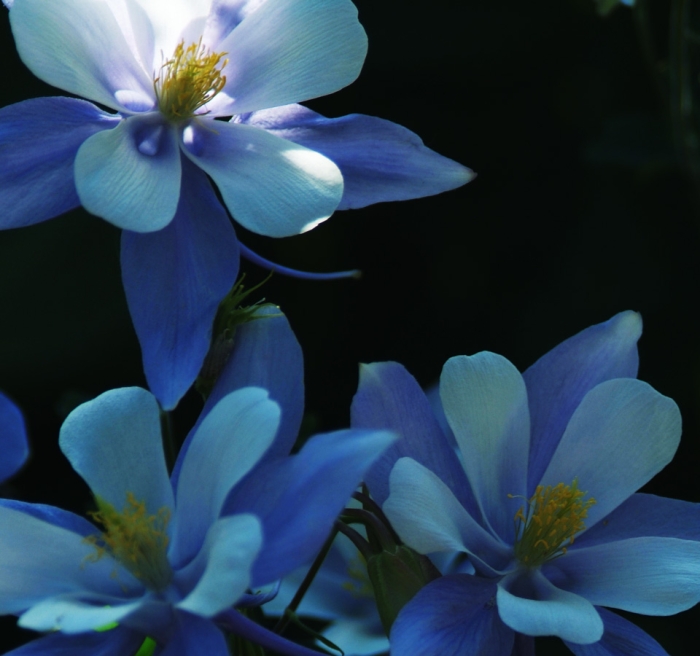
column 189, row 80
column 136, row 539
column 554, row 516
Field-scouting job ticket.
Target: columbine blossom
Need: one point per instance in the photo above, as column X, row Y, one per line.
column 166, row 560
column 196, row 90
column 13, row 438
column 540, row 495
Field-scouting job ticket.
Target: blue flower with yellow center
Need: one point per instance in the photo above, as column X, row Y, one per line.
column 535, row 480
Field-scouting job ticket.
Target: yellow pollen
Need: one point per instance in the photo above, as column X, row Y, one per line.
column 189, row 80
column 358, row 585
column 554, row 516
column 134, row 538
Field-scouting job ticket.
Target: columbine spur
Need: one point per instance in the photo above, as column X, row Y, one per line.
column 540, row 495
column 168, row 559
column 196, row 90
column 13, row 438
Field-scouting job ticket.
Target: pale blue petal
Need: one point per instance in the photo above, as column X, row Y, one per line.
column 270, row 185
column 222, row 567
column 485, row 403
column 389, row 397
column 623, row 433
column 357, row 638
column 228, row 443
column 559, row 380
column 649, row 575
column 114, row 442
column 195, row 635
column 174, row 280
column 116, row 642
column 621, row 638
column 130, row 176
column 224, row 16
column 38, row 142
column 77, row 45
column 530, row 604
column 13, row 438
column 293, row 50
column 41, row 560
column 52, row 515
column 299, row 497
column 380, row 160
column 452, row 616
column 428, row 517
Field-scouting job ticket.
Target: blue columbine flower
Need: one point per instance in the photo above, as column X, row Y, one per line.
column 540, row 495
column 167, row 559
column 13, row 438
column 172, row 73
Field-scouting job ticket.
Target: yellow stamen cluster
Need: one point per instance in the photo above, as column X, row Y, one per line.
column 136, row 539
column 554, row 516
column 189, row 81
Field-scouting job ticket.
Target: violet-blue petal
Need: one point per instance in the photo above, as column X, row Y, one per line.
column 559, row 380
column 114, row 442
column 88, row 57
column 380, row 160
column 174, row 280
column 130, row 176
column 485, row 403
column 452, row 616
column 621, row 435
column 195, row 635
column 648, row 575
column 13, row 438
column 116, row 642
column 224, row 16
column 389, row 397
column 530, row 604
column 299, row 497
column 52, row 515
column 293, row 50
column 621, row 638
column 270, row 185
column 38, row 142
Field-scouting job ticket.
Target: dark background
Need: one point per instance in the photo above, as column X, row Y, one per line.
column 581, row 208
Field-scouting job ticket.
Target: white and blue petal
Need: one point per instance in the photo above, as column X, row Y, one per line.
column 174, row 280
column 292, row 50
column 621, row 435
column 130, row 176
column 559, row 380
column 13, row 438
column 380, row 160
column 39, row 139
column 114, row 442
column 270, row 185
column 452, row 616
column 485, row 402
column 52, row 515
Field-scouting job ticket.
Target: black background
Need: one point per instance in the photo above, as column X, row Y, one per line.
column 581, row 209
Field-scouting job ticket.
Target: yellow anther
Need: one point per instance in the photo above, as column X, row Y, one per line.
column 554, row 516
column 137, row 540
column 189, row 80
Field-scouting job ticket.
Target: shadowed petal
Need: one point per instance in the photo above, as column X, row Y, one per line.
column 195, row 635
column 559, row 380
column 13, row 438
column 380, row 160
column 130, row 176
column 270, row 185
column 38, row 142
column 174, row 280
column 452, row 616
column 116, row 642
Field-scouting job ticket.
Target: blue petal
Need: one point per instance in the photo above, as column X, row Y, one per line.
column 195, row 635
column 559, row 380
column 646, row 515
column 380, row 160
column 621, row 638
column 452, row 616
column 38, row 142
column 389, row 397
column 116, row 642
column 174, row 280
column 224, row 16
column 114, row 442
column 52, row 515
column 13, row 438
column 299, row 497
column 130, row 176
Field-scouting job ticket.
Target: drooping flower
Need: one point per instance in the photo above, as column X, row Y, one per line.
column 13, row 438
column 540, row 496
column 172, row 73
column 167, row 559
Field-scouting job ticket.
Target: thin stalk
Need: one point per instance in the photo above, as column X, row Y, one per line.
column 376, row 509
column 381, row 531
column 360, row 543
